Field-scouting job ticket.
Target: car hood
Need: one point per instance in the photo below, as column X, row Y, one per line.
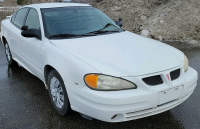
column 121, row 54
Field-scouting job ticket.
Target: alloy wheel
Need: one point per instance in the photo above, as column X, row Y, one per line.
column 57, row 92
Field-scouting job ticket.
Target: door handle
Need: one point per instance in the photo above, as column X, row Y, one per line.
column 8, row 31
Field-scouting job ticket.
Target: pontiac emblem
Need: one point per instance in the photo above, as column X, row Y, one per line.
column 168, row 77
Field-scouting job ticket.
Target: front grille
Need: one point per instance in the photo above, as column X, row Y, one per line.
column 175, row 74
column 154, row 80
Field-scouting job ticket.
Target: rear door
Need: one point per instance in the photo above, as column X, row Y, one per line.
column 15, row 38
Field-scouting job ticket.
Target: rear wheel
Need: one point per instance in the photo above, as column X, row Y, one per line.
column 9, row 58
column 58, row 93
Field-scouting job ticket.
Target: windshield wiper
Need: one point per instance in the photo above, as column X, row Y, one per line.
column 100, row 31
column 70, row 35
column 104, row 31
column 62, row 35
column 106, row 26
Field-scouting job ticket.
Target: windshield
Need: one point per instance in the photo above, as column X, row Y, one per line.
column 76, row 21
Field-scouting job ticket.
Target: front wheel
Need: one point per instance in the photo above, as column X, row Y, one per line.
column 58, row 93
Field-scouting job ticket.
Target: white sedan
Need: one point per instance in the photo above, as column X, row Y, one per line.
column 92, row 66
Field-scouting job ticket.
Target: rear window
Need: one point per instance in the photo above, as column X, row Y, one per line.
column 13, row 17
column 19, row 18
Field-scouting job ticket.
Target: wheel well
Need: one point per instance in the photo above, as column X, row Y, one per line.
column 47, row 70
column 4, row 40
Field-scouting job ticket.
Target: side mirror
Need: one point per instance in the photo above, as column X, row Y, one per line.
column 30, row 33
column 119, row 23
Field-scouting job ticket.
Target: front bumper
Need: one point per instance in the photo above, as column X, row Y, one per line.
column 118, row 106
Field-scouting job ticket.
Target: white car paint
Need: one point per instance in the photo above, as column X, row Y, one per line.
column 121, row 54
column 124, row 54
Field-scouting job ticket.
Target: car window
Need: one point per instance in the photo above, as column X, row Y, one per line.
column 32, row 20
column 19, row 19
column 13, row 17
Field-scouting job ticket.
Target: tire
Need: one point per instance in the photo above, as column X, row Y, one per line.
column 58, row 93
column 9, row 58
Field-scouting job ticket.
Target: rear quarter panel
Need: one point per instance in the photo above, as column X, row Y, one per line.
column 4, row 29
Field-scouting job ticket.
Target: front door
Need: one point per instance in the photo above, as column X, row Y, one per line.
column 30, row 47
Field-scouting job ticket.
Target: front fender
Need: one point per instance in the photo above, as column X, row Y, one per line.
column 71, row 68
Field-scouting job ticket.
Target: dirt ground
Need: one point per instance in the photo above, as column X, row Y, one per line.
column 163, row 19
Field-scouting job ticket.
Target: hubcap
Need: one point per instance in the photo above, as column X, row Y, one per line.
column 57, row 92
column 8, row 55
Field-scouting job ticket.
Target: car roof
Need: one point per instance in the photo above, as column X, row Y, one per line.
column 54, row 5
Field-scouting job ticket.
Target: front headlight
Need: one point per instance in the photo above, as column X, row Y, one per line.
column 104, row 82
column 186, row 63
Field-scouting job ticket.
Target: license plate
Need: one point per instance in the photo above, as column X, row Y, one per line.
column 170, row 95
